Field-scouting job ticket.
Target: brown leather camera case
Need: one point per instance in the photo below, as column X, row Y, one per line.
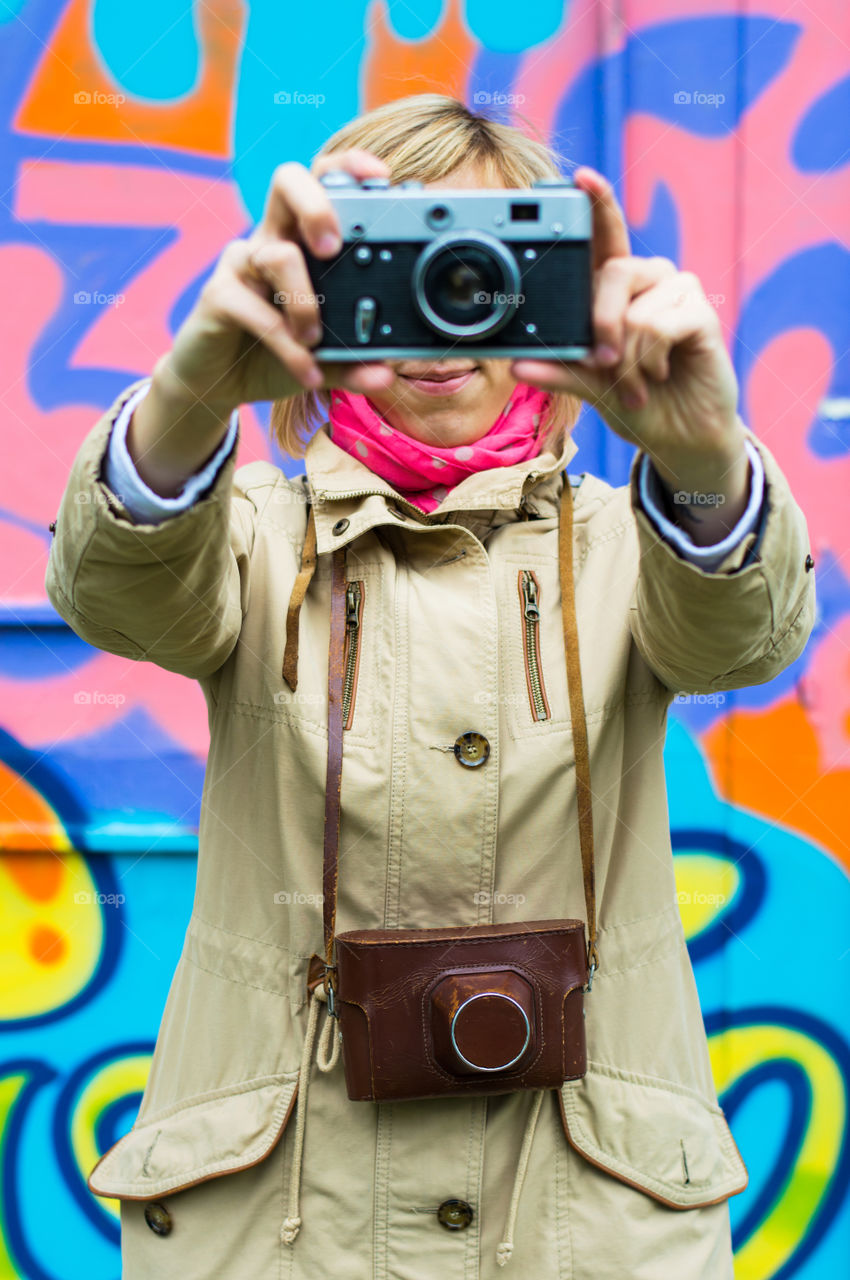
column 396, row 1023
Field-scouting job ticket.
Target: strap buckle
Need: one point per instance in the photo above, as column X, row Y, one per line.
column 330, row 992
column 592, row 964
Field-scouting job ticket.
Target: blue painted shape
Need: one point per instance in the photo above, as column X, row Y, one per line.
column 267, row 132
column 692, row 56
column 127, row 786
column 29, row 653
column 185, row 301
column 414, row 23
column 24, row 43
column 766, row 1103
column 832, row 1259
column 506, row 27
column 808, row 290
column 734, row 915
column 151, row 50
column 799, row 1092
column 833, row 593
column 38, row 1077
column 120, row 1017
column 660, row 234
column 739, row 981
column 821, row 140
column 111, row 1123
column 799, row 875
column 490, row 89
column 117, row 1118
column 99, row 262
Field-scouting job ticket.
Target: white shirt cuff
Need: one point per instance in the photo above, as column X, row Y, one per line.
column 123, row 479
column 707, row 557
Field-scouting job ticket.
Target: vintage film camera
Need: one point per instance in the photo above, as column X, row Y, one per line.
column 503, row 273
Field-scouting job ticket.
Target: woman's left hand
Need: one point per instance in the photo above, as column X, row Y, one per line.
column 660, row 374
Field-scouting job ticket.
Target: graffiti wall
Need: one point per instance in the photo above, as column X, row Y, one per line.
column 138, row 141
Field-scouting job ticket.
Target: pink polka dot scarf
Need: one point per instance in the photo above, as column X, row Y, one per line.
column 422, row 473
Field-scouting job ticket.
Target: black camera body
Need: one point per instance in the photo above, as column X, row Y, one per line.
column 504, row 273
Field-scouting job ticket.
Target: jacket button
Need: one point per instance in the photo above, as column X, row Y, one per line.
column 341, row 525
column 471, row 749
column 52, row 526
column 454, row 1215
column 158, row 1219
column 810, row 564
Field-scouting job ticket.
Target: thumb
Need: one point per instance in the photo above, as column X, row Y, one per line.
column 562, row 375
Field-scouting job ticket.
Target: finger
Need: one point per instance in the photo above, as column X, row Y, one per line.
column 671, row 312
column 560, row 375
column 230, row 298
column 361, row 377
column 610, row 233
column 616, row 283
column 280, row 263
column 297, row 205
column 356, row 161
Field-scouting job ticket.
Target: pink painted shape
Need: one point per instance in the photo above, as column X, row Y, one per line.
column 50, row 713
column 788, row 380
column 40, row 447
column 205, row 212
column 825, row 690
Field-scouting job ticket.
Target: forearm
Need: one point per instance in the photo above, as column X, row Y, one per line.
column 171, row 434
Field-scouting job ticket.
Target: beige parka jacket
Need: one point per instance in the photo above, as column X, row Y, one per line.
column 629, row 1169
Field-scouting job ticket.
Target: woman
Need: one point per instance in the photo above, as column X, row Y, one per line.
column 444, row 481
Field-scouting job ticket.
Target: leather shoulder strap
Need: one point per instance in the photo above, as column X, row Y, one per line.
column 577, row 715
column 296, row 599
column 333, row 783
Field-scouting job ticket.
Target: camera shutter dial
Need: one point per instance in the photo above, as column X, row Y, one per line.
column 338, row 178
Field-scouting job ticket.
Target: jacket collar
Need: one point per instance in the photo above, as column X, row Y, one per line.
column 342, row 487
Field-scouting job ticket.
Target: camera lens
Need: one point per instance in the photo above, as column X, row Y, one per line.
column 466, row 286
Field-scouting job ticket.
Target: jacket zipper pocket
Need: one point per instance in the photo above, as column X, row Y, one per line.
column 354, row 596
column 529, row 595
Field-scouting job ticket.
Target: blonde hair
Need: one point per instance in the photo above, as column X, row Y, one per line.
column 427, row 136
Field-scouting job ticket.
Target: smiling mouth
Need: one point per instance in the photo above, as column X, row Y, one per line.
column 437, row 380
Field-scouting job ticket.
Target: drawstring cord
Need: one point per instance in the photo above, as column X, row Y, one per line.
column 327, row 1055
column 506, row 1247
column 326, row 1062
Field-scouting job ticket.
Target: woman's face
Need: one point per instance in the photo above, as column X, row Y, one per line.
column 452, row 401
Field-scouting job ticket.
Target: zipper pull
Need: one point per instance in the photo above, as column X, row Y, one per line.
column 529, row 595
column 351, row 593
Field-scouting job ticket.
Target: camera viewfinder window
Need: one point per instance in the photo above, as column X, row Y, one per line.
column 525, row 212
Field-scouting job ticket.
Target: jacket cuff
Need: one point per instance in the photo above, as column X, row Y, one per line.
column 743, row 622
column 121, row 476
column 710, row 556
column 90, row 507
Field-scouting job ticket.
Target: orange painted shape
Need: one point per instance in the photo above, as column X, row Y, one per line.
column 47, row 946
column 27, row 821
column 200, row 123
column 768, row 761
column 394, row 68
column 37, row 877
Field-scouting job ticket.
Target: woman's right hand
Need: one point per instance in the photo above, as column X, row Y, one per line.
column 237, row 345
